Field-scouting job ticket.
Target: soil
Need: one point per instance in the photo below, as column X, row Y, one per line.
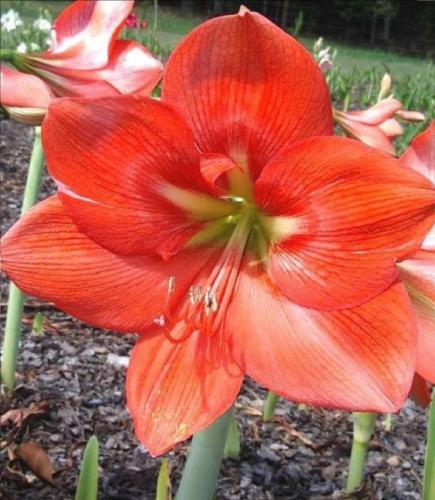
column 79, row 373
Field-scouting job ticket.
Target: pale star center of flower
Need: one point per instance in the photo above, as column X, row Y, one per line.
column 204, row 305
column 235, row 226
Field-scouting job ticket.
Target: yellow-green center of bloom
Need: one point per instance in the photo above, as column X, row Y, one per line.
column 238, row 228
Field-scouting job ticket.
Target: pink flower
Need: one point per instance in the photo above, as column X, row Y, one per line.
column 376, row 126
column 132, row 21
column 85, row 59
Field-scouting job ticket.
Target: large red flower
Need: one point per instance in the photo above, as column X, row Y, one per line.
column 228, row 228
column 418, row 272
column 85, row 59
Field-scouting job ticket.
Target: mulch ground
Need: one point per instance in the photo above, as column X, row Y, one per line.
column 75, row 375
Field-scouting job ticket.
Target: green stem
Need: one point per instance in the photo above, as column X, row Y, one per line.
column 203, row 463
column 16, row 297
column 363, row 427
column 232, row 443
column 388, row 422
column 269, row 406
column 429, row 463
column 6, row 55
column 164, row 482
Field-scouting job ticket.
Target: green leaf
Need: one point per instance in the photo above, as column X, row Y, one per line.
column 429, row 463
column 87, row 487
column 38, row 324
column 164, row 482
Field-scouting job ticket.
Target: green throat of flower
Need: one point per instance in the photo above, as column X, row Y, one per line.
column 238, row 229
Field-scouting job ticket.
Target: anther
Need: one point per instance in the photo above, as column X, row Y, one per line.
column 171, row 284
column 195, row 294
column 160, row 320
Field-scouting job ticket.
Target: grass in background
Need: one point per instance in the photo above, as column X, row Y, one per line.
column 350, row 57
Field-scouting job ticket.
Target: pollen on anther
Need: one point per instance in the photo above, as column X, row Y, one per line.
column 160, row 321
column 210, row 302
column 195, row 294
column 171, row 284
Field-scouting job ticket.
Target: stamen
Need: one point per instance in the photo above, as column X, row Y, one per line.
column 207, row 302
column 171, row 284
column 195, row 294
column 220, row 285
column 199, row 205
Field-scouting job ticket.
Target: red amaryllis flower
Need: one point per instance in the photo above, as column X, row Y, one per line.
column 418, row 271
column 377, row 125
column 226, row 227
column 85, row 59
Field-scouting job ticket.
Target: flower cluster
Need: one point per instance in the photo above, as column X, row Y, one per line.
column 42, row 24
column 25, row 36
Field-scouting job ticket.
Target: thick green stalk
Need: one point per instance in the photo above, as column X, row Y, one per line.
column 16, row 297
column 269, row 406
column 164, row 482
column 232, row 443
column 363, row 427
column 6, row 55
column 429, row 463
column 203, row 463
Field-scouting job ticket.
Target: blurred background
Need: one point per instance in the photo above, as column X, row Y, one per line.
column 360, row 40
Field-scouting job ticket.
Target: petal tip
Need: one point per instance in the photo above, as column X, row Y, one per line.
column 243, row 10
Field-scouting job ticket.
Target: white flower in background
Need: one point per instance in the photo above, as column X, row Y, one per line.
column 34, row 47
column 10, row 20
column 318, row 44
column 324, row 57
column 22, row 48
column 42, row 24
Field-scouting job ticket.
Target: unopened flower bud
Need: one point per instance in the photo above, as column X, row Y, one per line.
column 385, row 87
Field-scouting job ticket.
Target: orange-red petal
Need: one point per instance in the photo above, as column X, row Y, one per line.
column 360, row 359
column 112, row 158
column 418, row 275
column 131, row 69
column 351, row 216
column 246, row 88
column 47, row 256
column 84, row 33
column 375, row 115
column 372, row 135
column 23, row 90
column 420, row 156
column 73, row 86
column 177, row 389
column 420, row 392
